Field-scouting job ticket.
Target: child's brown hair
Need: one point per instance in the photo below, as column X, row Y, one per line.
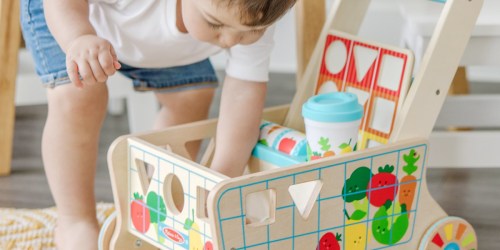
column 260, row 12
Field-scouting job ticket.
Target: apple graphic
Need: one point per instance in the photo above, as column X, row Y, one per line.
column 286, row 145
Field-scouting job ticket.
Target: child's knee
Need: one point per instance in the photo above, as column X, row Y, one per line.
column 90, row 101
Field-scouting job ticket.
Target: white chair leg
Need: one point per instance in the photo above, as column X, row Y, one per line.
column 142, row 108
column 116, row 106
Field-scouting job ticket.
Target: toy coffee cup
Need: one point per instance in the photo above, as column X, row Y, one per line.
column 332, row 123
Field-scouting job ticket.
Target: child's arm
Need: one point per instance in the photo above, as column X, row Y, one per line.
column 86, row 54
column 238, row 128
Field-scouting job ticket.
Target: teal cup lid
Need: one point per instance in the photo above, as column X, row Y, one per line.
column 333, row 107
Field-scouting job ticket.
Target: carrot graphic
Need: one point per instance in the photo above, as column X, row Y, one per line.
column 324, row 142
column 409, row 182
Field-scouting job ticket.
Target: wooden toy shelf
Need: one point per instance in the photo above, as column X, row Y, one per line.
column 373, row 198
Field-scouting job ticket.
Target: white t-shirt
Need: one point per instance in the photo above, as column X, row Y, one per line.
column 144, row 34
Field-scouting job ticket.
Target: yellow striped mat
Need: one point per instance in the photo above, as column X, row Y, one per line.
column 33, row 229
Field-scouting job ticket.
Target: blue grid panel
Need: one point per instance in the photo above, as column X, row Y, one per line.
column 289, row 241
column 156, row 183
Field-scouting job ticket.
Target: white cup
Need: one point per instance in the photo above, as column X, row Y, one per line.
column 332, row 124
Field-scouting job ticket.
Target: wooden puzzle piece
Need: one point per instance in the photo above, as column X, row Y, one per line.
column 378, row 74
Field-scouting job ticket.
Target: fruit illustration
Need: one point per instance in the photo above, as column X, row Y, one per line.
column 312, row 155
column 346, row 147
column 286, row 145
column 315, row 156
column 195, row 239
column 409, row 182
column 208, row 246
column 325, row 146
column 355, row 235
column 158, row 212
column 329, row 242
column 385, row 233
column 139, row 214
column 383, row 186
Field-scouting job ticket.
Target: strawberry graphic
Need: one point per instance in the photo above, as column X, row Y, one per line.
column 383, row 186
column 208, row 246
column 329, row 242
column 312, row 155
column 139, row 214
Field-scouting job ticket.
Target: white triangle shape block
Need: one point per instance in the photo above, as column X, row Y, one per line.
column 364, row 58
column 304, row 195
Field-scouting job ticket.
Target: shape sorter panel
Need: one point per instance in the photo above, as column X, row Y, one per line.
column 378, row 74
column 167, row 197
column 367, row 200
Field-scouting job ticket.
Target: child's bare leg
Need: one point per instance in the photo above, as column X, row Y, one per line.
column 69, row 150
column 183, row 107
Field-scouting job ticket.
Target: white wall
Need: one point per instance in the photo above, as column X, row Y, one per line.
column 383, row 23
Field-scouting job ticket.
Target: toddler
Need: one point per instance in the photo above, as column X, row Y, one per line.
column 163, row 46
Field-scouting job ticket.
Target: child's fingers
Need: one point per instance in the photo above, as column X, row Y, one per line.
column 72, row 69
column 97, row 71
column 107, row 63
column 116, row 63
column 86, row 73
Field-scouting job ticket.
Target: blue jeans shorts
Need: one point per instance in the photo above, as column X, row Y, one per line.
column 50, row 60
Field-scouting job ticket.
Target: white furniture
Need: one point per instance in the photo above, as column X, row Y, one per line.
column 141, row 107
column 478, row 147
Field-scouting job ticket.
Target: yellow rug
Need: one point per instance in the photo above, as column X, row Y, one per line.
column 33, row 229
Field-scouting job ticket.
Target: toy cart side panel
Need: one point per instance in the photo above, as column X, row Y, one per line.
column 228, row 207
column 175, row 137
column 171, row 194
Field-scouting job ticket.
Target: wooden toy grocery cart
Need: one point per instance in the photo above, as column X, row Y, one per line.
column 369, row 199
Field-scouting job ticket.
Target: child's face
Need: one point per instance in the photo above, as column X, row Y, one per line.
column 218, row 24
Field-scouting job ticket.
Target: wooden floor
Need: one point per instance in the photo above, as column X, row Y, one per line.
column 473, row 194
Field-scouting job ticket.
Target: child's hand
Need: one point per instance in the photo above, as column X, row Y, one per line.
column 92, row 58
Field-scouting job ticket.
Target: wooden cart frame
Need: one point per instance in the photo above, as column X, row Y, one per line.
column 182, row 188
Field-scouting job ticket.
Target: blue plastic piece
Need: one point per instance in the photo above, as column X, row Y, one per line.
column 333, row 107
column 276, row 157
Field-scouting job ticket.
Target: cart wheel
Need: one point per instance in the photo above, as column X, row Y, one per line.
column 449, row 233
column 107, row 229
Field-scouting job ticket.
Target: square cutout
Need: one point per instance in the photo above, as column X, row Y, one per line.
column 260, row 208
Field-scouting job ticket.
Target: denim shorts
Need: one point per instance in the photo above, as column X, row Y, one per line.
column 50, row 60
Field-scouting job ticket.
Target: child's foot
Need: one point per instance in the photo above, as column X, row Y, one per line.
column 76, row 234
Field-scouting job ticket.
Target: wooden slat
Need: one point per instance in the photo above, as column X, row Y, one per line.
column 9, row 45
column 310, row 17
